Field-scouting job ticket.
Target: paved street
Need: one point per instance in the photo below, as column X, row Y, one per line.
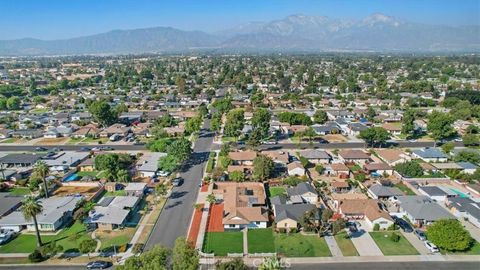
column 175, row 217
column 389, row 266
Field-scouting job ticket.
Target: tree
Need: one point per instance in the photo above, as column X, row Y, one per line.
column 193, row 125
column 338, row 225
column 440, row 126
column 123, row 176
column 468, row 156
column 13, row 103
column 237, row 176
column 180, row 83
column 156, row 258
column 409, row 169
column 161, row 190
column 375, row 136
column 102, row 113
column 180, row 149
column 450, row 235
column 262, row 167
column 160, row 145
column 470, row 140
column 41, row 170
column 261, row 122
column 294, row 118
column 234, row 123
column 320, row 117
column 235, row 264
column 108, row 163
column 87, row 246
column 168, row 163
column 408, row 126
column 448, row 147
column 185, row 256
column 30, row 209
column 211, row 198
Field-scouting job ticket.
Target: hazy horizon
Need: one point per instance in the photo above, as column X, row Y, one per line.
column 63, row 20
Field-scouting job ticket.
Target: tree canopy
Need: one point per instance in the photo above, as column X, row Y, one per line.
column 450, row 235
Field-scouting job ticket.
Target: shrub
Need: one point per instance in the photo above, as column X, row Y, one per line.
column 393, row 227
column 36, row 256
column 137, row 248
column 376, row 227
column 395, row 237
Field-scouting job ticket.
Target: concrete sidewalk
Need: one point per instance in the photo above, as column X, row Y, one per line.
column 333, row 246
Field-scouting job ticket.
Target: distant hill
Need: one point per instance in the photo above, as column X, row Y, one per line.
column 377, row 32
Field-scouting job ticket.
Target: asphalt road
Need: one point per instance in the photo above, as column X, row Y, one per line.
column 345, row 145
column 175, row 217
column 437, row 265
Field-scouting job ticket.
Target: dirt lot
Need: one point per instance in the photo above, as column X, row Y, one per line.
column 52, row 141
column 88, row 192
column 335, row 138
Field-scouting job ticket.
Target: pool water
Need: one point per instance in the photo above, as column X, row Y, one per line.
column 459, row 193
column 72, row 177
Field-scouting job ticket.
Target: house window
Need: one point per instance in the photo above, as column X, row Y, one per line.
column 257, row 222
column 231, row 226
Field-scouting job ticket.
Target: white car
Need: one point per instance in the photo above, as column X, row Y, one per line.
column 163, row 173
column 431, row 247
column 6, row 235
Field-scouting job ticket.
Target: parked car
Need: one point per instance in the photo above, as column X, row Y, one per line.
column 352, row 227
column 106, row 148
column 420, row 234
column 85, row 149
column 405, row 226
column 431, row 247
column 270, row 142
column 40, row 149
column 177, row 182
column 6, row 235
column 98, row 265
column 163, row 173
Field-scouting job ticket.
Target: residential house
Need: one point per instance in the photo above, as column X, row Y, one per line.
column 421, row 210
column 137, row 189
column 280, row 158
column 316, row 156
column 243, row 157
column 20, row 160
column 337, row 169
column 115, row 129
column 468, row 167
column 392, row 128
column 63, row 161
column 9, row 203
column 354, row 129
column 289, row 216
column 378, row 169
column 327, row 128
column 57, row 211
column 393, row 156
column 366, row 209
column 295, row 169
column 303, row 192
column 353, row 156
column 244, row 204
column 465, row 208
column 381, row 192
column 112, row 212
column 430, row 155
column 147, row 165
column 437, row 193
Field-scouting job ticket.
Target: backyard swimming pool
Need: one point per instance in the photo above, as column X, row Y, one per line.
column 459, row 193
column 72, row 177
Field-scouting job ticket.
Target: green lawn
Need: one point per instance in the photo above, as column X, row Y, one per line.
column 19, row 191
column 228, row 139
column 116, row 193
column 10, row 140
column 474, row 250
column 69, row 238
column 298, row 245
column 94, row 140
column 274, row 191
column 222, row 243
column 355, row 168
column 388, row 247
column 82, row 174
column 260, row 241
column 75, row 140
column 116, row 238
column 346, row 245
column 405, row 189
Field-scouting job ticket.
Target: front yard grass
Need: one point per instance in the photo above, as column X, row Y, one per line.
column 298, row 245
column 69, row 238
column 19, row 191
column 346, row 245
column 222, row 243
column 274, row 191
column 116, row 193
column 388, row 247
column 260, row 241
column 115, row 238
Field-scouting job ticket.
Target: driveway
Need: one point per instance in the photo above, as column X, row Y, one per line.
column 177, row 213
column 416, row 243
column 364, row 244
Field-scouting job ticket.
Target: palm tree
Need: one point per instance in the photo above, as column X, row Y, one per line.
column 41, row 170
column 30, row 209
column 123, row 176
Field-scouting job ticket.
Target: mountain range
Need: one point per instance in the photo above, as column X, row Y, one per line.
column 376, row 33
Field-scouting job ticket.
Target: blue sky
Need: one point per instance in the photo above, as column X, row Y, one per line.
column 56, row 19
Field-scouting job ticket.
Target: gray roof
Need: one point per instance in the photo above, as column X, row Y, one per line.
column 150, row 163
column 20, row 159
column 301, row 189
column 430, row 153
column 466, row 205
column 436, row 191
column 357, row 126
column 53, row 209
column 423, row 208
column 279, row 199
column 292, row 211
column 328, row 127
column 467, row 165
column 112, row 210
column 384, row 191
column 68, row 158
column 7, row 202
column 135, row 186
column 314, row 154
